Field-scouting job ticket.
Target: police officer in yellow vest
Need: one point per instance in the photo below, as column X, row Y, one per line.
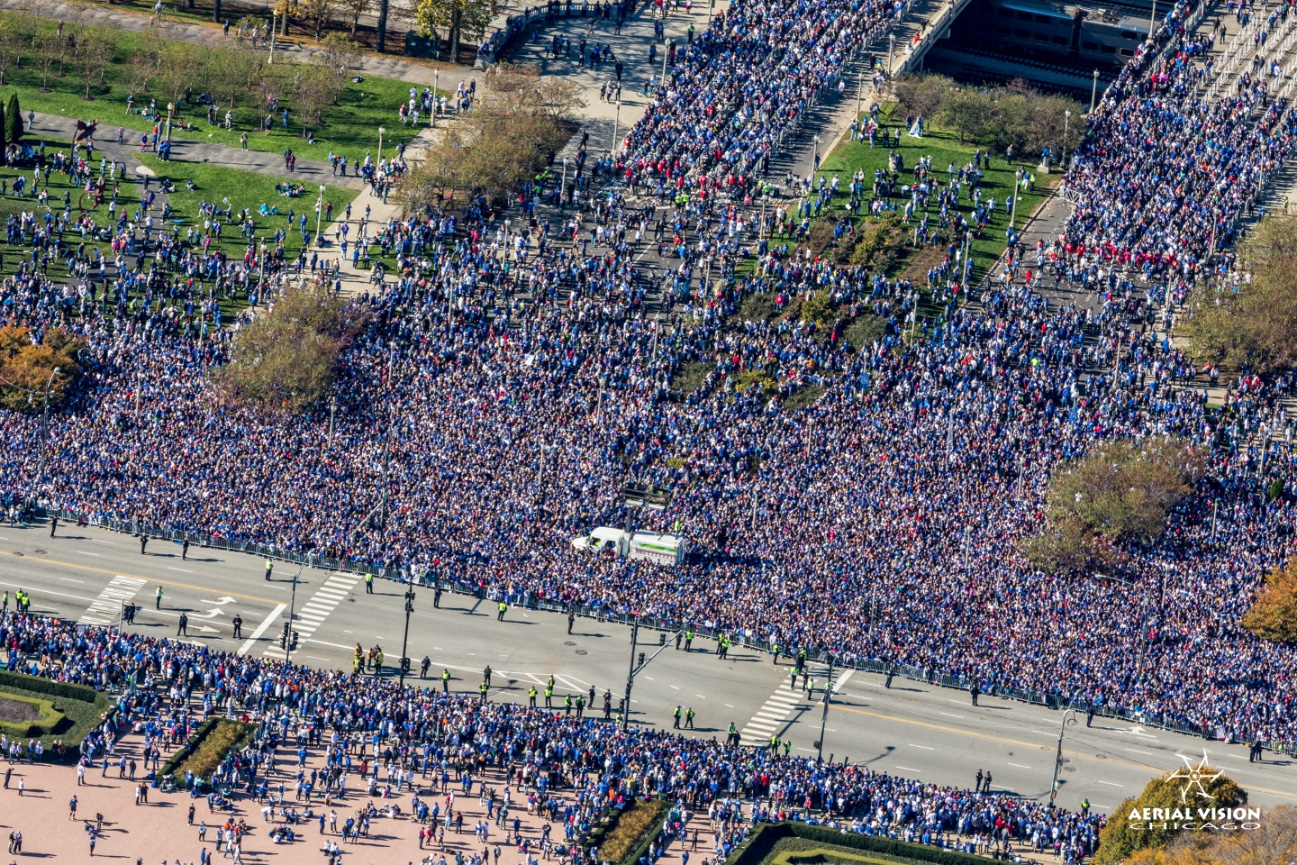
column 378, row 660
column 531, row 697
column 500, row 616
column 482, row 690
column 549, row 695
column 369, row 584
column 445, row 681
column 567, row 704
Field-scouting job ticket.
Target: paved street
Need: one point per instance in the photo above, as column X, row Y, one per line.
column 912, row 729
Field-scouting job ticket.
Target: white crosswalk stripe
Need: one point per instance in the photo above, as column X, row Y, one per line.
column 107, row 608
column 776, row 714
column 312, row 614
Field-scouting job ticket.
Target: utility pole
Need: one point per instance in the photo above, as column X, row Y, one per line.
column 824, row 718
column 292, row 614
column 630, row 675
column 405, row 640
column 45, row 419
column 1094, row 90
column 1058, row 755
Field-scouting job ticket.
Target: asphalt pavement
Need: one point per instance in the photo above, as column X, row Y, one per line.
column 912, row 729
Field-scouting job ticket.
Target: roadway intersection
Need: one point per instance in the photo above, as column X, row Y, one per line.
column 912, row 729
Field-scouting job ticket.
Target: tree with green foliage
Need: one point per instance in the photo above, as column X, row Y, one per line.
column 3, row 138
column 1273, row 615
column 285, row 360
column 1125, row 834
column 1253, row 324
column 13, row 117
column 459, row 17
column 1122, row 491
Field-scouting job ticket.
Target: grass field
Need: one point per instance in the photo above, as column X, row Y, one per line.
column 945, row 149
column 232, row 189
column 62, row 718
column 11, row 205
column 349, row 127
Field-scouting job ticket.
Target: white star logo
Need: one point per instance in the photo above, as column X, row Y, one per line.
column 1195, row 777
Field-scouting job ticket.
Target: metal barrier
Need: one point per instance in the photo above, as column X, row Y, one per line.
column 705, row 630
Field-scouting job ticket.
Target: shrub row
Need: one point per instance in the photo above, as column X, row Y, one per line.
column 760, row 845
column 208, row 759
column 48, row 686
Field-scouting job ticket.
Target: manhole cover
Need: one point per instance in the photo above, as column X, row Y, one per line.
column 16, row 553
column 41, row 553
column 1101, row 756
column 568, row 643
column 578, row 651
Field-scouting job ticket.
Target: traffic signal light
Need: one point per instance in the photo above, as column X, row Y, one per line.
column 283, row 638
column 405, row 665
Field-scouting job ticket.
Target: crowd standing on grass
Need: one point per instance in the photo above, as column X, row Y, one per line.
column 384, row 741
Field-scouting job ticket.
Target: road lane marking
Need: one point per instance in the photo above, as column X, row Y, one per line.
column 1112, row 784
column 1108, row 761
column 88, row 553
column 182, row 570
column 1137, row 751
column 311, row 615
column 93, row 569
column 71, row 580
column 951, row 715
column 908, row 769
column 107, row 608
column 924, row 747
column 261, row 629
column 1019, row 765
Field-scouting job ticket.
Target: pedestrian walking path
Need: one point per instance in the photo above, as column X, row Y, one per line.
column 776, row 714
column 107, row 608
column 311, row 615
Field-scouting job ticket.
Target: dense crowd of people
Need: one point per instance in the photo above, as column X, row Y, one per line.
column 506, row 386
column 571, row 769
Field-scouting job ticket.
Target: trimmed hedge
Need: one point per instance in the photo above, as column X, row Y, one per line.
column 51, row 720
column 48, row 686
column 762, row 843
column 179, row 758
column 647, row 839
column 83, row 710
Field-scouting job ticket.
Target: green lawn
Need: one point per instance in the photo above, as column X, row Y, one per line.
column 944, row 148
column 11, row 204
column 349, row 127
column 80, row 709
column 231, row 189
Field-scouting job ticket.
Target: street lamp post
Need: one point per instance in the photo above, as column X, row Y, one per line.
column 45, row 418
column 1067, row 119
column 261, row 269
column 436, row 100
column 562, row 190
column 381, row 130
column 1152, row 22
column 1058, row 754
column 271, row 61
column 1094, row 90
column 1017, row 188
column 824, row 717
column 319, row 218
column 292, row 614
column 405, row 640
column 171, row 106
column 630, row 674
column 860, row 86
column 891, row 47
column 616, row 126
column 333, row 407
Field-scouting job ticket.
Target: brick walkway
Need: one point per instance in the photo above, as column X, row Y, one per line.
column 159, row 830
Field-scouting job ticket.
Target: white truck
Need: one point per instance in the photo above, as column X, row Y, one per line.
column 662, row 549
